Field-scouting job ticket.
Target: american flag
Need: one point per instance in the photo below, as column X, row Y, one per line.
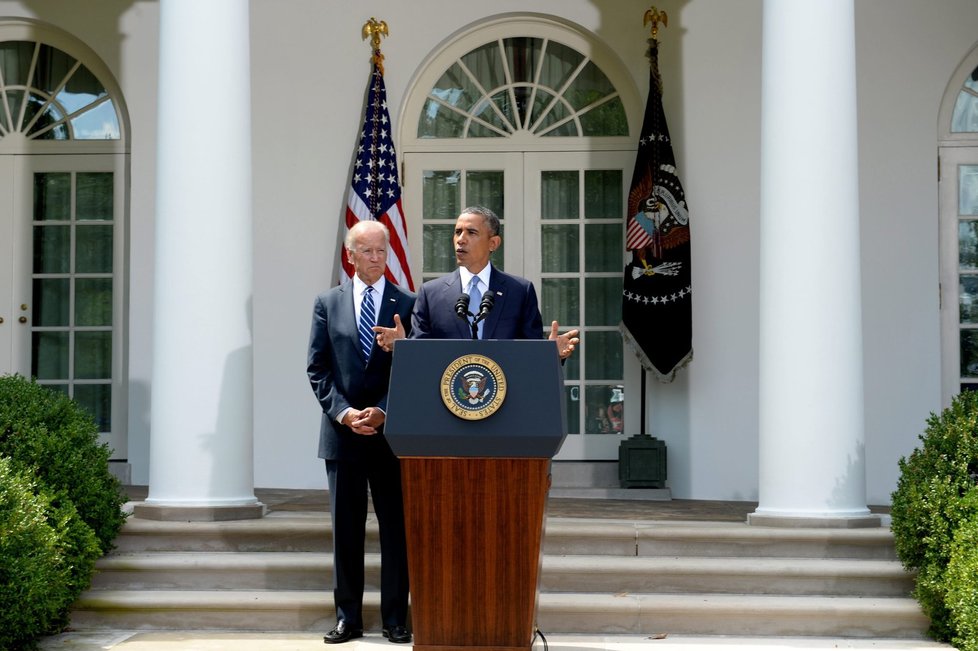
column 376, row 192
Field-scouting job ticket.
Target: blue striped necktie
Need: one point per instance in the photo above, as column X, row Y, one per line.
column 367, row 320
column 475, row 296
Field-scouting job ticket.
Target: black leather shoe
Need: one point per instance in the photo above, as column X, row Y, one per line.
column 398, row 634
column 342, row 633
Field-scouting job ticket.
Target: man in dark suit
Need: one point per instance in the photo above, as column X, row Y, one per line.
column 350, row 377
column 515, row 313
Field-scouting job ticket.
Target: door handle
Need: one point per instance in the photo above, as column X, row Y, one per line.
column 23, row 319
column 1, row 320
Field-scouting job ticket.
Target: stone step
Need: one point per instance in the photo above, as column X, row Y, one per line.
column 564, row 536
column 577, row 573
column 623, row 612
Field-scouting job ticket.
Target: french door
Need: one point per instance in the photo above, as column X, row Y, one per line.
column 562, row 217
column 61, row 286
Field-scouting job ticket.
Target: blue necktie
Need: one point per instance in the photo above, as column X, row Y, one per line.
column 475, row 296
column 367, row 321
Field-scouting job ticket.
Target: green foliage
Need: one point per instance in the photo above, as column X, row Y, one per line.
column 47, row 434
column 34, row 572
column 929, row 504
column 962, row 581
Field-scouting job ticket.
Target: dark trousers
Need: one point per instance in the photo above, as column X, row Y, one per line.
column 348, row 483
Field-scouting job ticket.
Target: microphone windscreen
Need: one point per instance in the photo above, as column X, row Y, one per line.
column 462, row 306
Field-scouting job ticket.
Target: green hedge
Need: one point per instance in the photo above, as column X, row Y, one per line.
column 962, row 580
column 932, row 501
column 60, row 509
column 46, row 433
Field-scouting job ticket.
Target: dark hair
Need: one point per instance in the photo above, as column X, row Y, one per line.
column 492, row 221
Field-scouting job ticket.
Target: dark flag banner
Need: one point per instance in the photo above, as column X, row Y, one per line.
column 656, row 314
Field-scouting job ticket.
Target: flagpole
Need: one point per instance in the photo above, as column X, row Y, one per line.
column 654, row 16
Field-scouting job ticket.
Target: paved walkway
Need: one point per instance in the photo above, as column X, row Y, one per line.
column 217, row 641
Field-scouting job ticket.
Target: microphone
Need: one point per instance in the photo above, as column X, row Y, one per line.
column 462, row 306
column 485, row 307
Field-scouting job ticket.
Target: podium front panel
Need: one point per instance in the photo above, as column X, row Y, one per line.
column 529, row 422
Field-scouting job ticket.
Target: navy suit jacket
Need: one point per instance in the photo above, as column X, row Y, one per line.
column 515, row 314
column 336, row 368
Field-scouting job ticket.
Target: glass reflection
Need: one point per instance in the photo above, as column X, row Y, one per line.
column 968, row 244
column 604, row 407
column 52, row 196
column 560, row 244
column 51, row 300
column 49, row 355
column 968, row 190
column 93, row 249
column 484, row 188
column 602, row 301
column 440, row 194
column 97, row 400
column 969, row 353
column 561, row 301
column 93, row 355
column 52, row 248
column 603, row 247
column 968, row 299
column 559, row 194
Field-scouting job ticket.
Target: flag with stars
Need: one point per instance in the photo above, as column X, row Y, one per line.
column 656, row 310
column 376, row 190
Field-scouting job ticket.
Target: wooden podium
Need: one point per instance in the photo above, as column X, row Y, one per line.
column 475, row 424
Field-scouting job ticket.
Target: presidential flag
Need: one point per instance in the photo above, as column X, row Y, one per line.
column 376, row 191
column 656, row 301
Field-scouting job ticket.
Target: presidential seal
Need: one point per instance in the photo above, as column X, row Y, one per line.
column 473, row 387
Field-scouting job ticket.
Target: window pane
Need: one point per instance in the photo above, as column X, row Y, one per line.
column 502, row 116
column 602, row 194
column 93, row 355
column 603, row 301
column 93, row 302
column 968, row 190
column 477, row 130
column 440, row 194
column 604, row 355
column 456, row 89
column 52, row 67
column 52, row 249
column 97, row 400
column 97, row 123
column 965, row 117
column 589, row 86
column 561, row 301
column 485, row 64
column 439, row 257
column 559, row 63
column 15, row 61
column 560, row 244
column 439, row 121
column 522, row 55
column 573, row 409
column 51, row 302
column 572, row 365
column 968, row 244
column 52, row 196
column 50, row 115
column 604, row 409
column 93, row 249
column 603, row 247
column 94, row 196
column 969, row 353
column 607, row 119
column 484, row 188
column 559, row 195
column 49, row 355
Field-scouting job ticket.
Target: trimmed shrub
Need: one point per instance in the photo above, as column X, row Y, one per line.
column 45, row 432
column 928, row 505
column 962, row 581
column 34, row 573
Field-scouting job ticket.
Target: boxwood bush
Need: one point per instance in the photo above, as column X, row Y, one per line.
column 962, row 581
column 932, row 502
column 45, row 432
column 60, row 509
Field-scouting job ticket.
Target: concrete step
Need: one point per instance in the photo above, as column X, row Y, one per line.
column 564, row 536
column 700, row 614
column 603, row 574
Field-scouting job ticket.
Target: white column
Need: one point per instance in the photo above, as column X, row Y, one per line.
column 812, row 451
column 201, row 446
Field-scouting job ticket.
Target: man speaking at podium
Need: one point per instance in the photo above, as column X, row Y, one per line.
column 477, row 296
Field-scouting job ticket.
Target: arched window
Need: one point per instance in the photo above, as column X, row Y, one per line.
column 958, row 150
column 533, row 117
column 47, row 94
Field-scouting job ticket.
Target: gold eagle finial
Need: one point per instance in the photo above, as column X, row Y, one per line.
column 654, row 16
column 374, row 29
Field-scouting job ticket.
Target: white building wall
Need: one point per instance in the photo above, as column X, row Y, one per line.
column 310, row 72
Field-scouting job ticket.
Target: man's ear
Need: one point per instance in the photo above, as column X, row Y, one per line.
column 495, row 241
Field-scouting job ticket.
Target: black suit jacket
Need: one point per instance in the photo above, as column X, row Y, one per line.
column 515, row 314
column 336, row 368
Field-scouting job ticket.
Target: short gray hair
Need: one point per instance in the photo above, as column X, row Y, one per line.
column 362, row 225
